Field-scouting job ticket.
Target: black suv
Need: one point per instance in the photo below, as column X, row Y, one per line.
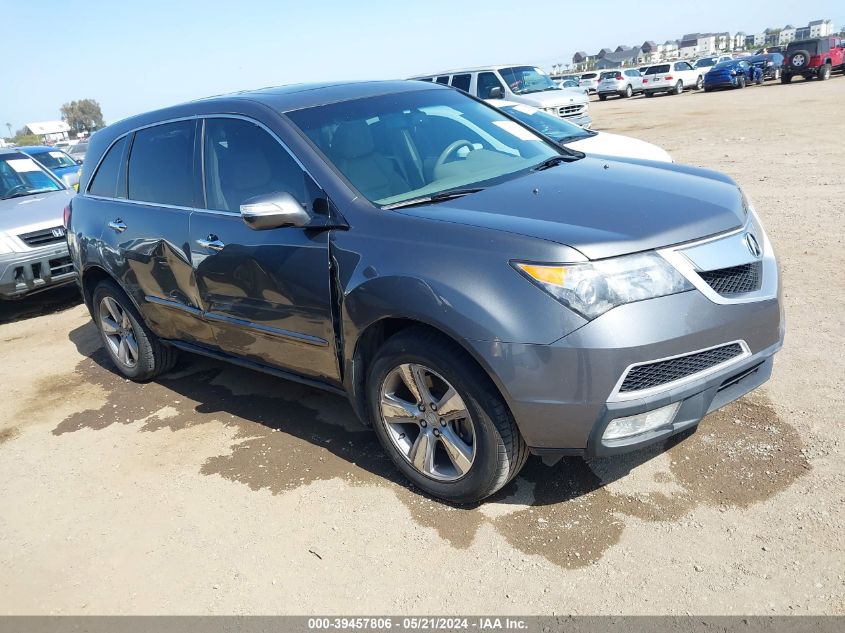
column 814, row 58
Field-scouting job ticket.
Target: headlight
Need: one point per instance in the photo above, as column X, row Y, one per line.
column 551, row 110
column 5, row 247
column 593, row 288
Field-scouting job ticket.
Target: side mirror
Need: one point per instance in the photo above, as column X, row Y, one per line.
column 273, row 211
column 70, row 180
column 496, row 93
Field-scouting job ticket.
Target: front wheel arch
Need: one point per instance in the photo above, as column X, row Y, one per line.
column 374, row 336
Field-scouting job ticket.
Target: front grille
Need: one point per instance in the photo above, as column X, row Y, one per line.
column 665, row 371
column 570, row 110
column 44, row 237
column 735, row 280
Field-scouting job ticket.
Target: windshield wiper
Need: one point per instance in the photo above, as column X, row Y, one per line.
column 551, row 162
column 449, row 194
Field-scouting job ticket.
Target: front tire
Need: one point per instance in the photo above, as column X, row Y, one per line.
column 824, row 72
column 679, row 88
column 785, row 78
column 440, row 418
column 629, row 92
column 136, row 352
column 602, row 97
column 699, row 83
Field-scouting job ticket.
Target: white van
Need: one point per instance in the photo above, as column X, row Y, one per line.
column 522, row 84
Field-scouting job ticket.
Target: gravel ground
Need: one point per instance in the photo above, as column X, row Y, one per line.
column 218, row 490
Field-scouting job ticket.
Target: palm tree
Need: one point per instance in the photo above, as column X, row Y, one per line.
column 9, row 127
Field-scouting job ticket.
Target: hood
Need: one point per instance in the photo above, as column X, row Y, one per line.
column 603, row 208
column 552, row 98
column 616, row 145
column 30, row 213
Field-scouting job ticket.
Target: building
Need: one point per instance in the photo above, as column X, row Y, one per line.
column 820, row 28
column 620, row 59
column 755, row 41
column 697, row 45
column 738, row 40
column 49, row 131
column 786, row 35
column 724, row 41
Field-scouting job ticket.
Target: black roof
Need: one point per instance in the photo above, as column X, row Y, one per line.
column 277, row 98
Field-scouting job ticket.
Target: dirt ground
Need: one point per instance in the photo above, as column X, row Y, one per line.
column 218, row 490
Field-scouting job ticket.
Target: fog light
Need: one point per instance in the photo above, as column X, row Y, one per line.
column 640, row 423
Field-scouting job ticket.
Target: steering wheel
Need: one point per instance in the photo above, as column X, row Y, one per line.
column 451, row 149
column 15, row 189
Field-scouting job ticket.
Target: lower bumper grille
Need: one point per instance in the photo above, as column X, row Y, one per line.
column 666, row 371
column 735, row 280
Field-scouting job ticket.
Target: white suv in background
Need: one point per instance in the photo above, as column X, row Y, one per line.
column 521, row 84
column 620, row 82
column 672, row 77
column 589, row 81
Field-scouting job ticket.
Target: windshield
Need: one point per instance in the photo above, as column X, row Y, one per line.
column 658, row 70
column 399, row 147
column 54, row 159
column 589, row 76
column 79, row 148
column 724, row 65
column 613, row 74
column 22, row 176
column 704, row 63
column 548, row 124
column 811, row 46
column 526, row 79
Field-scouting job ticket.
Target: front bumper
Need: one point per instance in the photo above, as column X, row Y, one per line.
column 562, row 395
column 25, row 273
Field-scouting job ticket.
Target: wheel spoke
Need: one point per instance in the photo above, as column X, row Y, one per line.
column 121, row 352
column 113, row 309
column 397, row 411
column 458, row 451
column 108, row 325
column 451, row 406
column 422, row 453
column 131, row 349
column 412, row 376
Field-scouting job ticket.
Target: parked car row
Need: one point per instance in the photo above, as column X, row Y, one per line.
column 811, row 59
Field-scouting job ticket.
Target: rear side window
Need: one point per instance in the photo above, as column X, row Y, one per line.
column 486, row 83
column 104, row 182
column 243, row 161
column 443, row 80
column 461, row 82
column 161, row 164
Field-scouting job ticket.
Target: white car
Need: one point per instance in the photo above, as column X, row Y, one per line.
column 577, row 138
column 589, row 81
column 523, row 84
column 620, row 82
column 672, row 77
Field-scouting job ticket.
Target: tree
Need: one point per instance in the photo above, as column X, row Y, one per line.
column 9, row 127
column 83, row 115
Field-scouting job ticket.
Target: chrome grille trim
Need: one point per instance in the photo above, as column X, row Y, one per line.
column 617, row 395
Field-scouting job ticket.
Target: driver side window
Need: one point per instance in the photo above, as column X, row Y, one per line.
column 242, row 160
column 486, row 82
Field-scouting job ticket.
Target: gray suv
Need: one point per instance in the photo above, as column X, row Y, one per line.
column 477, row 291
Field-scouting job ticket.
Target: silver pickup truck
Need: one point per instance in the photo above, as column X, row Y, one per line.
column 33, row 247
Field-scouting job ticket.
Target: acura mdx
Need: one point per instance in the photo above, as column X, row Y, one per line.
column 477, row 291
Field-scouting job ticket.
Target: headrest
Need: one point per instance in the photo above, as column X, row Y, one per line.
column 352, row 139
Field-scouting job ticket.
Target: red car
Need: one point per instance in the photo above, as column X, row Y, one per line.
column 813, row 58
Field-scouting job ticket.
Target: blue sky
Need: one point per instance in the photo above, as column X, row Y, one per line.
column 136, row 56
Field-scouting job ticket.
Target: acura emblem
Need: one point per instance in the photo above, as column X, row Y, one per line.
column 753, row 245
column 58, row 232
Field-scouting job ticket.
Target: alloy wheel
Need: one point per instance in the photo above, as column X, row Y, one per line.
column 428, row 422
column 118, row 332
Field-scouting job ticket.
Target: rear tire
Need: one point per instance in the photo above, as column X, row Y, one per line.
column 648, row 94
column 699, row 83
column 497, row 448
column 602, row 97
column 740, row 82
column 785, row 78
column 136, row 352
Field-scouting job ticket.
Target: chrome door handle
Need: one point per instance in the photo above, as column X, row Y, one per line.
column 212, row 243
column 117, row 225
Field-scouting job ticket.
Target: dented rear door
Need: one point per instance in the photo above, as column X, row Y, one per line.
column 146, row 234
